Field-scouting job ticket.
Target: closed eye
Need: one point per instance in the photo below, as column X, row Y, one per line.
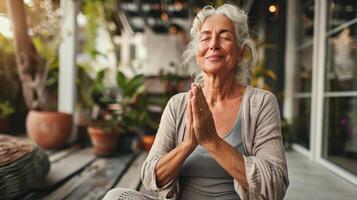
column 205, row 39
column 225, row 38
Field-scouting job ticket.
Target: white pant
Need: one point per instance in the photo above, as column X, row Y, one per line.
column 126, row 194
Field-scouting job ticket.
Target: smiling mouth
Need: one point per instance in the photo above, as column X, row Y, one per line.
column 214, row 58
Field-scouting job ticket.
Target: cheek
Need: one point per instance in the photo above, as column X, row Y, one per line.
column 201, row 49
column 199, row 58
column 234, row 52
column 200, row 53
column 232, row 58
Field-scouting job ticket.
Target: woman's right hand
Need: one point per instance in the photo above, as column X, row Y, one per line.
column 189, row 140
column 169, row 165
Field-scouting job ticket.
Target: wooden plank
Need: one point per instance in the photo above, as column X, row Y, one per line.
column 75, row 181
column 63, row 153
column 62, row 170
column 68, row 166
column 103, row 178
column 131, row 179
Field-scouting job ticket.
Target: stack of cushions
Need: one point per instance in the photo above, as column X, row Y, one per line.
column 23, row 166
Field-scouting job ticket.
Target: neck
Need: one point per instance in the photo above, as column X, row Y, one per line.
column 219, row 89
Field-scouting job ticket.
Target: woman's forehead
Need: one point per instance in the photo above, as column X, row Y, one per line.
column 217, row 23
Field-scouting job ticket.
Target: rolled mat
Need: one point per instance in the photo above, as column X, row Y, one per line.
column 23, row 166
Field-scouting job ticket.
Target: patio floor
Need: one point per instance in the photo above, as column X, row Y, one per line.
column 309, row 180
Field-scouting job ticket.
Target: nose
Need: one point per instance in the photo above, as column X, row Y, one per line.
column 214, row 42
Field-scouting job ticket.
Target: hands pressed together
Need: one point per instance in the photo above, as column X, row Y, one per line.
column 200, row 128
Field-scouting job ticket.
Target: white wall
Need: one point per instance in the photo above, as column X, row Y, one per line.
column 161, row 50
column 153, row 53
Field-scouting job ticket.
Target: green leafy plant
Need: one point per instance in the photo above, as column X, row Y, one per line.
column 261, row 75
column 107, row 112
column 133, row 102
column 103, row 116
column 84, row 81
column 123, row 107
column 9, row 89
column 6, row 109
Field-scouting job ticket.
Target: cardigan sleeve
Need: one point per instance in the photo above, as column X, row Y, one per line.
column 265, row 167
column 164, row 143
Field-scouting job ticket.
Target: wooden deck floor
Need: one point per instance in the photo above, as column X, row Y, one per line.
column 76, row 173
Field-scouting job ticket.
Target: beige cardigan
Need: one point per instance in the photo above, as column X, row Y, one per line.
column 265, row 162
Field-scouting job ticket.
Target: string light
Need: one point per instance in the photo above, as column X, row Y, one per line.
column 272, row 8
column 178, row 6
column 173, row 30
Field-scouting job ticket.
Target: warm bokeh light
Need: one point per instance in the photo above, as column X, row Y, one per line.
column 164, row 16
column 272, row 8
column 172, row 30
column 5, row 27
column 178, row 6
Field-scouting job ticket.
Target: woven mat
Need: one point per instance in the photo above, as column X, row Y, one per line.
column 13, row 148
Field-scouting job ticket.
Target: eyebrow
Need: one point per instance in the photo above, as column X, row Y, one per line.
column 220, row 32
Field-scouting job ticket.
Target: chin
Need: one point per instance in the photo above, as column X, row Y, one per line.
column 213, row 68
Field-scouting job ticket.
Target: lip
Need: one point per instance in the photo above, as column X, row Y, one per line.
column 214, row 57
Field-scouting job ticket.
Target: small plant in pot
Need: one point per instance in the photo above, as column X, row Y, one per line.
column 134, row 103
column 120, row 107
column 105, row 130
column 36, row 59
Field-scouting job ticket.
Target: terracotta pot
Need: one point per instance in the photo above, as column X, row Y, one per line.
column 4, row 125
column 105, row 144
column 148, row 141
column 49, row 129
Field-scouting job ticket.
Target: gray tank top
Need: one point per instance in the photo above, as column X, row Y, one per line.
column 201, row 177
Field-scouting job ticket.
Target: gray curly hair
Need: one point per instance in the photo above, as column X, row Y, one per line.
column 240, row 20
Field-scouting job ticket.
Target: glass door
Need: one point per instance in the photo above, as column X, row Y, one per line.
column 340, row 96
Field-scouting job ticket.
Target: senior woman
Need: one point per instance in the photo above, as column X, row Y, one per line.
column 222, row 139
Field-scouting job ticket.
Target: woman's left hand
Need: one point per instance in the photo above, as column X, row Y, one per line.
column 203, row 123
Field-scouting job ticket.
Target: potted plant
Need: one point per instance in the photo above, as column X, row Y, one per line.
column 104, row 131
column 5, row 111
column 104, row 128
column 45, row 125
column 137, row 118
column 120, row 108
column 37, row 56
